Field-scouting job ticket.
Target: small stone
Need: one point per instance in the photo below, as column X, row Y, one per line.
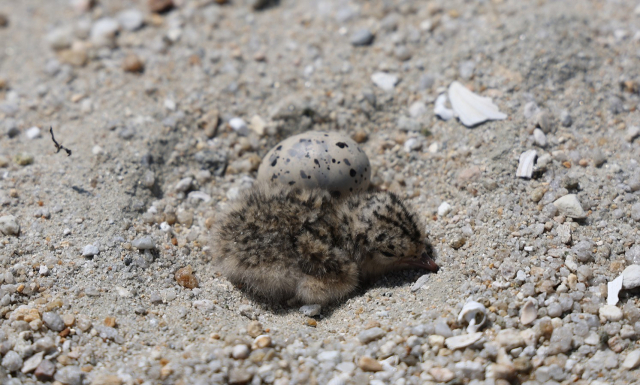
column 185, row 277
column 12, row 361
column 371, row 335
column 158, row 6
column 543, row 120
column 311, row 322
column 258, row 125
column 144, row 243
column 45, row 371
column 329, row 356
column 540, row 138
column 442, row 374
column 239, row 376
column 633, row 255
column 9, row 226
column 361, row 37
column 70, row 375
column 402, row 53
column 32, row 363
column 131, row 19
column 564, row 233
column 68, row 319
column 444, row 209
column 635, row 212
column 103, row 32
column 457, row 242
column 132, row 63
column 33, row 133
column 254, row 329
column 184, row 185
column 90, row 251
column 610, row 313
column 240, row 126
column 565, row 119
column 360, row 136
column 311, row 310
column 632, row 133
column 510, row 339
column 631, row 275
column 570, row 206
column 368, row 364
column 4, row 20
column 23, row 159
column 106, row 379
column 110, row 322
column 632, row 361
column 53, row 321
column 384, row 80
column 417, row 109
column 240, row 352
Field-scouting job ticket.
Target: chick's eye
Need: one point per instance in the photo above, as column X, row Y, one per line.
column 386, row 253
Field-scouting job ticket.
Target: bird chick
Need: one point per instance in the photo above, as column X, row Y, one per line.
column 304, row 246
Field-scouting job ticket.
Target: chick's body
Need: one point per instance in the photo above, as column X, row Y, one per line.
column 286, row 244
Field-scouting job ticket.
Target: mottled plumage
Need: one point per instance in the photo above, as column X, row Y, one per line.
column 286, row 244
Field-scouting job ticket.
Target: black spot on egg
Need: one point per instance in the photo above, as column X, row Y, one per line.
column 352, row 172
column 316, row 162
column 336, row 194
column 342, row 144
column 292, row 183
column 278, row 148
column 273, row 164
column 346, row 161
column 333, row 160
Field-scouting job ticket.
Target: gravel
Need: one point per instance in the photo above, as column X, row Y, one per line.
column 150, row 95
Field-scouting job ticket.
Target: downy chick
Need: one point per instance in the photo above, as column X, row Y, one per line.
column 305, row 246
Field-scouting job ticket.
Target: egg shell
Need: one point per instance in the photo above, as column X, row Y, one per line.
column 327, row 160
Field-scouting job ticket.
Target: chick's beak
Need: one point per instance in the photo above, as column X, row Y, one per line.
column 425, row 262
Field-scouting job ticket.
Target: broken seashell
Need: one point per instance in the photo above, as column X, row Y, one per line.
column 472, row 109
column 529, row 313
column 440, row 108
column 473, row 313
column 525, row 166
column 462, row 341
column 613, row 289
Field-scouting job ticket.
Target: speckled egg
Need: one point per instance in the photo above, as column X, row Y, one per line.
column 321, row 159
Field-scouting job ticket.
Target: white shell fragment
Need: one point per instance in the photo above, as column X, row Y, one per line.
column 570, row 206
column 318, row 159
column 474, row 314
column 441, row 109
column 527, row 161
column 420, row 282
column 384, row 80
column 472, row 109
column 528, row 313
column 614, row 288
column 462, row 341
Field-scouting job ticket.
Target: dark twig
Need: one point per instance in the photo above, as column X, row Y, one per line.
column 58, row 146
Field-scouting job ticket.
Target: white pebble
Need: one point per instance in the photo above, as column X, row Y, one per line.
column 240, row 352
column 184, row 184
column 417, row 109
column 384, row 80
column 44, row 270
column 540, row 137
column 103, row 32
column 144, row 243
column 570, row 206
column 610, row 313
column 33, row 133
column 310, row 310
column 240, row 126
column 632, row 361
column 90, row 251
column 444, row 209
column 9, row 226
column 131, row 19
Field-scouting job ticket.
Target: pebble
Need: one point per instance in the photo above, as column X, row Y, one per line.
column 45, row 371
column 53, row 321
column 610, row 313
column 70, row 375
column 240, row 352
column 570, row 206
column 23, row 159
column 311, row 310
column 132, row 63
column 442, row 374
column 240, row 126
column 632, row 360
column 60, row 38
column 565, row 119
column 103, row 32
column 32, row 363
column 9, row 226
column 361, row 37
column 90, row 251
column 632, row 133
column 384, row 80
column 372, row 334
column 239, row 376
column 131, row 19
column 540, row 137
column 261, row 342
column 184, row 185
column 186, row 278
column 158, row 6
column 444, row 209
column 33, row 133
column 635, row 212
column 144, row 243
column 12, row 361
column 368, row 364
column 417, row 109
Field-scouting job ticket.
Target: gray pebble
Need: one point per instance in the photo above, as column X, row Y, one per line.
column 144, row 243
column 53, row 321
column 402, row 53
column 361, row 37
column 565, row 119
column 9, row 226
column 90, row 251
column 635, row 212
column 109, row 333
column 310, row 310
column 442, row 328
column 32, row 363
column 45, row 371
column 632, row 255
column 12, row 361
column 131, row 19
column 371, row 335
column 70, row 375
